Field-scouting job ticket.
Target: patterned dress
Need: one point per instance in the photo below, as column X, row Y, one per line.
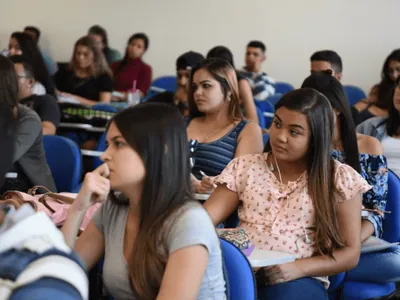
column 375, row 171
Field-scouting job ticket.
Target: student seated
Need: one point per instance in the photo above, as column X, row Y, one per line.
column 379, row 103
column 149, row 233
column 387, row 131
column 329, row 60
column 184, row 65
column 29, row 160
column 34, row 32
column 99, row 35
column 88, row 79
column 245, row 95
column 295, row 198
column 132, row 68
column 23, row 44
column 261, row 84
column 45, row 105
column 216, row 122
column 365, row 155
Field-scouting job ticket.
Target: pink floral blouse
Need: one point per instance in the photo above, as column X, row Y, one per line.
column 277, row 216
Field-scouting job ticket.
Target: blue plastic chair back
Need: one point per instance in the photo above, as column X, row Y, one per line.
column 274, row 99
column 240, row 278
column 260, row 116
column 64, row 159
column 101, row 146
column 283, row 87
column 354, row 94
column 105, row 107
column 391, row 232
column 265, row 138
column 167, row 83
column 391, row 223
column 268, row 111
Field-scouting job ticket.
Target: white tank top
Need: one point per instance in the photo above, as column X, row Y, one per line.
column 391, row 149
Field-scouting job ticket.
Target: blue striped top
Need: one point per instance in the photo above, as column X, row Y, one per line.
column 213, row 157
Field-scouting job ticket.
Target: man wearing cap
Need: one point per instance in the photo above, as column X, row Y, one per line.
column 184, row 65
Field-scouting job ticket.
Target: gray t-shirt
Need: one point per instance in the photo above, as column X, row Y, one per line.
column 193, row 226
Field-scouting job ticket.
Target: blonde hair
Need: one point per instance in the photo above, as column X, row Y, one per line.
column 99, row 66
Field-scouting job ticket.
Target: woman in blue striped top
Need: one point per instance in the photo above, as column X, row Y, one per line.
column 216, row 124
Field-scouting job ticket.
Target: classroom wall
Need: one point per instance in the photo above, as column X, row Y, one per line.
column 363, row 32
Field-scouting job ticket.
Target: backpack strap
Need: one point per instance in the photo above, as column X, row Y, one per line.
column 55, row 197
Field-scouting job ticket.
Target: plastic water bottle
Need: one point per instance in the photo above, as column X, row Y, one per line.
column 133, row 98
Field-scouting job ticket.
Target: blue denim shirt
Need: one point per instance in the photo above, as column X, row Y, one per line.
column 375, row 127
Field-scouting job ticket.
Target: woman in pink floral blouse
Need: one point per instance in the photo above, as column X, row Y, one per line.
column 296, row 199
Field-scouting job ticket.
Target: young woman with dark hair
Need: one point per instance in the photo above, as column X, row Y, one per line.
column 380, row 97
column 23, row 44
column 245, row 94
column 387, row 130
column 216, row 122
column 132, row 68
column 28, row 160
column 8, row 122
column 88, row 78
column 364, row 154
column 296, row 199
column 149, row 234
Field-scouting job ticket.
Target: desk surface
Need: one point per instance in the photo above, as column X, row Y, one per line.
column 82, row 126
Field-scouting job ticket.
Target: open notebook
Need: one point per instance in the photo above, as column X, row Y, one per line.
column 374, row 244
column 264, row 258
column 65, row 99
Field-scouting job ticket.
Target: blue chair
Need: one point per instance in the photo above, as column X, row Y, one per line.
column 64, row 159
column 283, row 87
column 101, row 146
column 268, row 111
column 274, row 99
column 165, row 83
column 354, row 94
column 265, row 138
column 391, row 228
column 260, row 116
column 239, row 275
column 105, row 107
column 335, row 284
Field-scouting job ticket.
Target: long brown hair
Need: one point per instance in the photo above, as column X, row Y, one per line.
column 157, row 133
column 99, row 66
column 320, row 165
column 225, row 74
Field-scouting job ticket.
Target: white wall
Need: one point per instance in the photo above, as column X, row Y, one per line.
column 363, row 32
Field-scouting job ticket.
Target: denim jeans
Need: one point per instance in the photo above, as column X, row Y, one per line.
column 300, row 289
column 379, row 267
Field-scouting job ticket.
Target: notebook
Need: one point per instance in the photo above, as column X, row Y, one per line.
column 374, row 244
column 264, row 258
column 65, row 99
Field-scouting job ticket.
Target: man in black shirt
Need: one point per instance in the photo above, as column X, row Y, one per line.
column 44, row 105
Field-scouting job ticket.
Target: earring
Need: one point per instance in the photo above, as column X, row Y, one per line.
column 229, row 98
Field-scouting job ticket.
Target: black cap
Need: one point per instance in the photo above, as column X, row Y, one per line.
column 188, row 60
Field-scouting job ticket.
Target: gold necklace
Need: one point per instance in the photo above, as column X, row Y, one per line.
column 212, row 133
